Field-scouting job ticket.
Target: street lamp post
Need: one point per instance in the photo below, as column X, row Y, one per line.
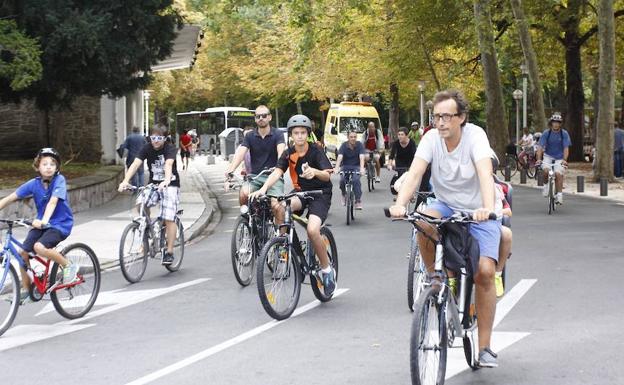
column 525, row 75
column 146, row 98
column 517, row 95
column 421, row 87
column 429, row 108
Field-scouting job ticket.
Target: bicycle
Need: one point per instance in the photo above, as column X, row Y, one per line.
column 71, row 300
column 370, row 170
column 552, row 201
column 527, row 162
column 145, row 238
column 416, row 270
column 440, row 315
column 253, row 229
column 285, row 260
column 350, row 194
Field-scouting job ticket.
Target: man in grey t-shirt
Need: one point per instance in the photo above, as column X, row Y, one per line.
column 461, row 176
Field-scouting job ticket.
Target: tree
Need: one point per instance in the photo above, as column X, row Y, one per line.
column 606, row 91
column 93, row 47
column 531, row 61
column 19, row 58
column 496, row 122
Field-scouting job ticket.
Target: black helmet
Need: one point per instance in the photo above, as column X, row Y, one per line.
column 299, row 121
column 49, row 151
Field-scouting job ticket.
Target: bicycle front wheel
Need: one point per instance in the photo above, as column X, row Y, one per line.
column 278, row 278
column 349, row 204
column 332, row 253
column 133, row 252
column 551, row 197
column 75, row 299
column 9, row 295
column 243, row 252
column 428, row 342
column 415, row 274
column 178, row 247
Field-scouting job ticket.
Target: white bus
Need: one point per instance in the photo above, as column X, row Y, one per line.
column 212, row 121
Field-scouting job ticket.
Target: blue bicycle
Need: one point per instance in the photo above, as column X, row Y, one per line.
column 71, row 300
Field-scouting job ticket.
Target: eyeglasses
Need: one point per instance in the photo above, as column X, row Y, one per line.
column 262, row 116
column 445, row 117
column 157, row 138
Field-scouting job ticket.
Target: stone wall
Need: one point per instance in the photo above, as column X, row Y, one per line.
column 74, row 132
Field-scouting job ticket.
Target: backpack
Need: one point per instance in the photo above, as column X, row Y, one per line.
column 461, row 249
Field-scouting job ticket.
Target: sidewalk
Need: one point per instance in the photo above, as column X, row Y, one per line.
column 615, row 190
column 101, row 228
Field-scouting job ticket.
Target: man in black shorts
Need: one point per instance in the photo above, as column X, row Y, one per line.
column 309, row 170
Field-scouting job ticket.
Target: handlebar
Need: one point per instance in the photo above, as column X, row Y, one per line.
column 300, row 194
column 349, row 172
column 22, row 222
column 459, row 217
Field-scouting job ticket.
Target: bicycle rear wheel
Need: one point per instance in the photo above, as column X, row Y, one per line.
column 178, row 247
column 428, row 341
column 243, row 252
column 332, row 253
column 133, row 253
column 76, row 299
column 278, row 278
column 551, row 197
column 9, row 295
column 349, row 204
column 512, row 162
column 415, row 273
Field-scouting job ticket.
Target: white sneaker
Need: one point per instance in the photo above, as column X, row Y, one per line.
column 559, row 198
column 545, row 191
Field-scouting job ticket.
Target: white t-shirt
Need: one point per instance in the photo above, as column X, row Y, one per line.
column 527, row 140
column 453, row 175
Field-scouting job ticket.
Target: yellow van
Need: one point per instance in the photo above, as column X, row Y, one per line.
column 346, row 116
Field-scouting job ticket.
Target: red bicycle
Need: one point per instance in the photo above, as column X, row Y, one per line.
column 71, row 300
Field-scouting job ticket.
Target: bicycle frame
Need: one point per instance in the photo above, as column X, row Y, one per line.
column 40, row 282
column 305, row 259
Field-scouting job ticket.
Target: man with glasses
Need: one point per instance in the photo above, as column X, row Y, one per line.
column 461, row 175
column 161, row 162
column 265, row 145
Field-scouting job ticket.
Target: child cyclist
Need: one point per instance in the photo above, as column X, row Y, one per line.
column 161, row 161
column 54, row 220
column 309, row 170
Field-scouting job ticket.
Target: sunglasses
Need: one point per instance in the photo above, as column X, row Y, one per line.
column 262, row 116
column 157, row 138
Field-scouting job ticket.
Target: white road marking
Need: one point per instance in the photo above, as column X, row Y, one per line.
column 228, row 231
column 456, row 362
column 117, row 299
column 225, row 345
column 232, row 199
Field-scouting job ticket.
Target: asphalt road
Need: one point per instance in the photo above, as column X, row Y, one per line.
column 199, row 326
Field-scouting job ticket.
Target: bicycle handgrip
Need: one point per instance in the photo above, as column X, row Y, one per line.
column 492, row 216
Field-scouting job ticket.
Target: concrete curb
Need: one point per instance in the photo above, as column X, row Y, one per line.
column 574, row 194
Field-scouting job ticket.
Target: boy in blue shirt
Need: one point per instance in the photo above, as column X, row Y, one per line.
column 554, row 146
column 54, row 220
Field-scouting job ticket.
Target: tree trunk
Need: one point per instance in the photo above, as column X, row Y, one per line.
column 606, row 92
column 575, row 98
column 393, row 123
column 539, row 115
column 495, row 108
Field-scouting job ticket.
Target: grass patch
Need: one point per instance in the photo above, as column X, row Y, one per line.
column 15, row 172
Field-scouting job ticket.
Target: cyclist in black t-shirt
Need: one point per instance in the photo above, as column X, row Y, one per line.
column 309, row 170
column 161, row 161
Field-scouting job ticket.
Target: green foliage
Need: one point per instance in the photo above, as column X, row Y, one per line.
column 95, row 47
column 19, row 62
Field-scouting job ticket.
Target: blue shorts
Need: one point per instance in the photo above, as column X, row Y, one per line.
column 486, row 233
column 49, row 238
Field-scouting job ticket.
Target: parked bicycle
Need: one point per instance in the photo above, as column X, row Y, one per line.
column 440, row 315
column 145, row 238
column 253, row 229
column 285, row 260
column 517, row 163
column 71, row 300
column 349, row 194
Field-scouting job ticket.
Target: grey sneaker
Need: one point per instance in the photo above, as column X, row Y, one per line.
column 329, row 282
column 488, row 359
column 167, row 258
column 70, row 273
column 24, row 297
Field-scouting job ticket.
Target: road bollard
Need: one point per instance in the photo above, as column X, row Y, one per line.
column 523, row 176
column 507, row 173
column 604, row 187
column 210, row 159
column 580, row 183
column 540, row 177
